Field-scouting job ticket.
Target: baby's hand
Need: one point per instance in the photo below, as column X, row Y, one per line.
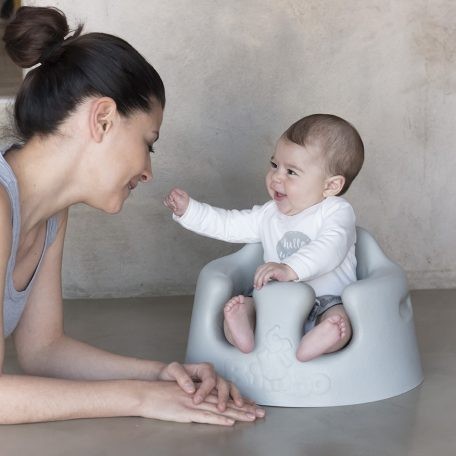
column 273, row 271
column 177, row 201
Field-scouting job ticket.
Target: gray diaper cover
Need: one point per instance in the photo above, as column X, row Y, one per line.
column 322, row 304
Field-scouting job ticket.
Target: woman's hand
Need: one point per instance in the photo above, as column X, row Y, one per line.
column 273, row 271
column 167, row 401
column 201, row 381
column 177, row 201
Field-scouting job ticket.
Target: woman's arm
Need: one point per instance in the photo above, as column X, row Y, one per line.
column 44, row 350
column 42, row 347
column 26, row 399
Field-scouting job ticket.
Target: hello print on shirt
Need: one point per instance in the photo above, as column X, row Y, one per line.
column 290, row 243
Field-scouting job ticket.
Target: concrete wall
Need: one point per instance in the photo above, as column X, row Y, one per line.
column 237, row 73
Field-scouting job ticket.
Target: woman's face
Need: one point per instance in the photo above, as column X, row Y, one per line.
column 127, row 159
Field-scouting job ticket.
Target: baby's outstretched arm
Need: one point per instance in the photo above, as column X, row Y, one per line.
column 177, row 200
column 273, row 271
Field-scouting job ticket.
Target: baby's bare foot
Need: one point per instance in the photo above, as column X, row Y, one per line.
column 328, row 336
column 239, row 329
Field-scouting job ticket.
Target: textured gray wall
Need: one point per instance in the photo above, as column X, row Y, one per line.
column 237, row 73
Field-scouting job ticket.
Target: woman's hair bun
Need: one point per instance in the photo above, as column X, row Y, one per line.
column 73, row 68
column 34, row 33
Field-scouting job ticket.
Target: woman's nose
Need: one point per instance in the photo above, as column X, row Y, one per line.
column 147, row 174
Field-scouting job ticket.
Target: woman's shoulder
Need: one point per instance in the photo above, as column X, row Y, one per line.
column 7, row 177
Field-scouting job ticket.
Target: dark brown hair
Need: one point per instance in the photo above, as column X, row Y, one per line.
column 73, row 67
column 336, row 138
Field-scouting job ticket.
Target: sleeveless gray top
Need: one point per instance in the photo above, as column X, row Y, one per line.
column 14, row 301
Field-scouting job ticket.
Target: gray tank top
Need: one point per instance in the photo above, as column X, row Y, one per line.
column 14, row 301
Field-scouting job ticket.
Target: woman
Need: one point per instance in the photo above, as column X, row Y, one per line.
column 88, row 116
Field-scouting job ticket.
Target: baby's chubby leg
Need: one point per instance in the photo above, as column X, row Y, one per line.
column 240, row 322
column 331, row 333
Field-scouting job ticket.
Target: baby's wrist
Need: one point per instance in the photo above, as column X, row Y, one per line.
column 180, row 211
column 291, row 274
column 183, row 209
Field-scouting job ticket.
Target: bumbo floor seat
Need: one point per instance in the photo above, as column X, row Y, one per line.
column 381, row 360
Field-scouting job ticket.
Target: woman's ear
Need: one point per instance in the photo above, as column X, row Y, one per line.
column 333, row 185
column 102, row 113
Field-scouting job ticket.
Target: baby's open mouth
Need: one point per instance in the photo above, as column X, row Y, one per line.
column 278, row 195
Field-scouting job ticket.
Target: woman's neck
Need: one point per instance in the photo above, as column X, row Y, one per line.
column 45, row 173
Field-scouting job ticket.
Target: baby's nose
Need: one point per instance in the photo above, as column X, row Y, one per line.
column 276, row 177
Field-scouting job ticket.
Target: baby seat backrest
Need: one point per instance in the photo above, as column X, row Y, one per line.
column 369, row 255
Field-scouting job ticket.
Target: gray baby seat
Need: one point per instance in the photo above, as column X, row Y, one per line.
column 381, row 360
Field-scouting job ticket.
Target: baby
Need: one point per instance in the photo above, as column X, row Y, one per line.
column 307, row 230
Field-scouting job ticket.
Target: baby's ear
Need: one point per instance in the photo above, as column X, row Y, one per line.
column 333, row 185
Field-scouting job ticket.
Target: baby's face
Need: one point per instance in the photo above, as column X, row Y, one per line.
column 297, row 177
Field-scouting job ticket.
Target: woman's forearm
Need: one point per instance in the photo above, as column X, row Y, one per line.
column 26, row 399
column 71, row 359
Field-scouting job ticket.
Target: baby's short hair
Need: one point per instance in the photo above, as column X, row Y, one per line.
column 337, row 139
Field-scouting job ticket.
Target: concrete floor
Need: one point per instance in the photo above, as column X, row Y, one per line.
column 419, row 423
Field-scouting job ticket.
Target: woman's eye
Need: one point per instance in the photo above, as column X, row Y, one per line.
column 151, row 149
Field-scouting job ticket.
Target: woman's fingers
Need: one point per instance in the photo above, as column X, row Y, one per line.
column 206, row 375
column 223, row 393
column 177, row 372
column 247, row 406
column 204, row 389
column 206, row 417
column 237, row 397
column 167, row 401
column 217, row 391
column 231, row 411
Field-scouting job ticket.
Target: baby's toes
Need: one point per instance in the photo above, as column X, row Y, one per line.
column 343, row 331
column 233, row 302
column 229, row 305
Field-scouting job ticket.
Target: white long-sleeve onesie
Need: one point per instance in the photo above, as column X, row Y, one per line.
column 318, row 243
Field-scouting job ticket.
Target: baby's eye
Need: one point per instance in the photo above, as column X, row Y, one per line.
column 151, row 149
column 291, row 172
column 273, row 165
